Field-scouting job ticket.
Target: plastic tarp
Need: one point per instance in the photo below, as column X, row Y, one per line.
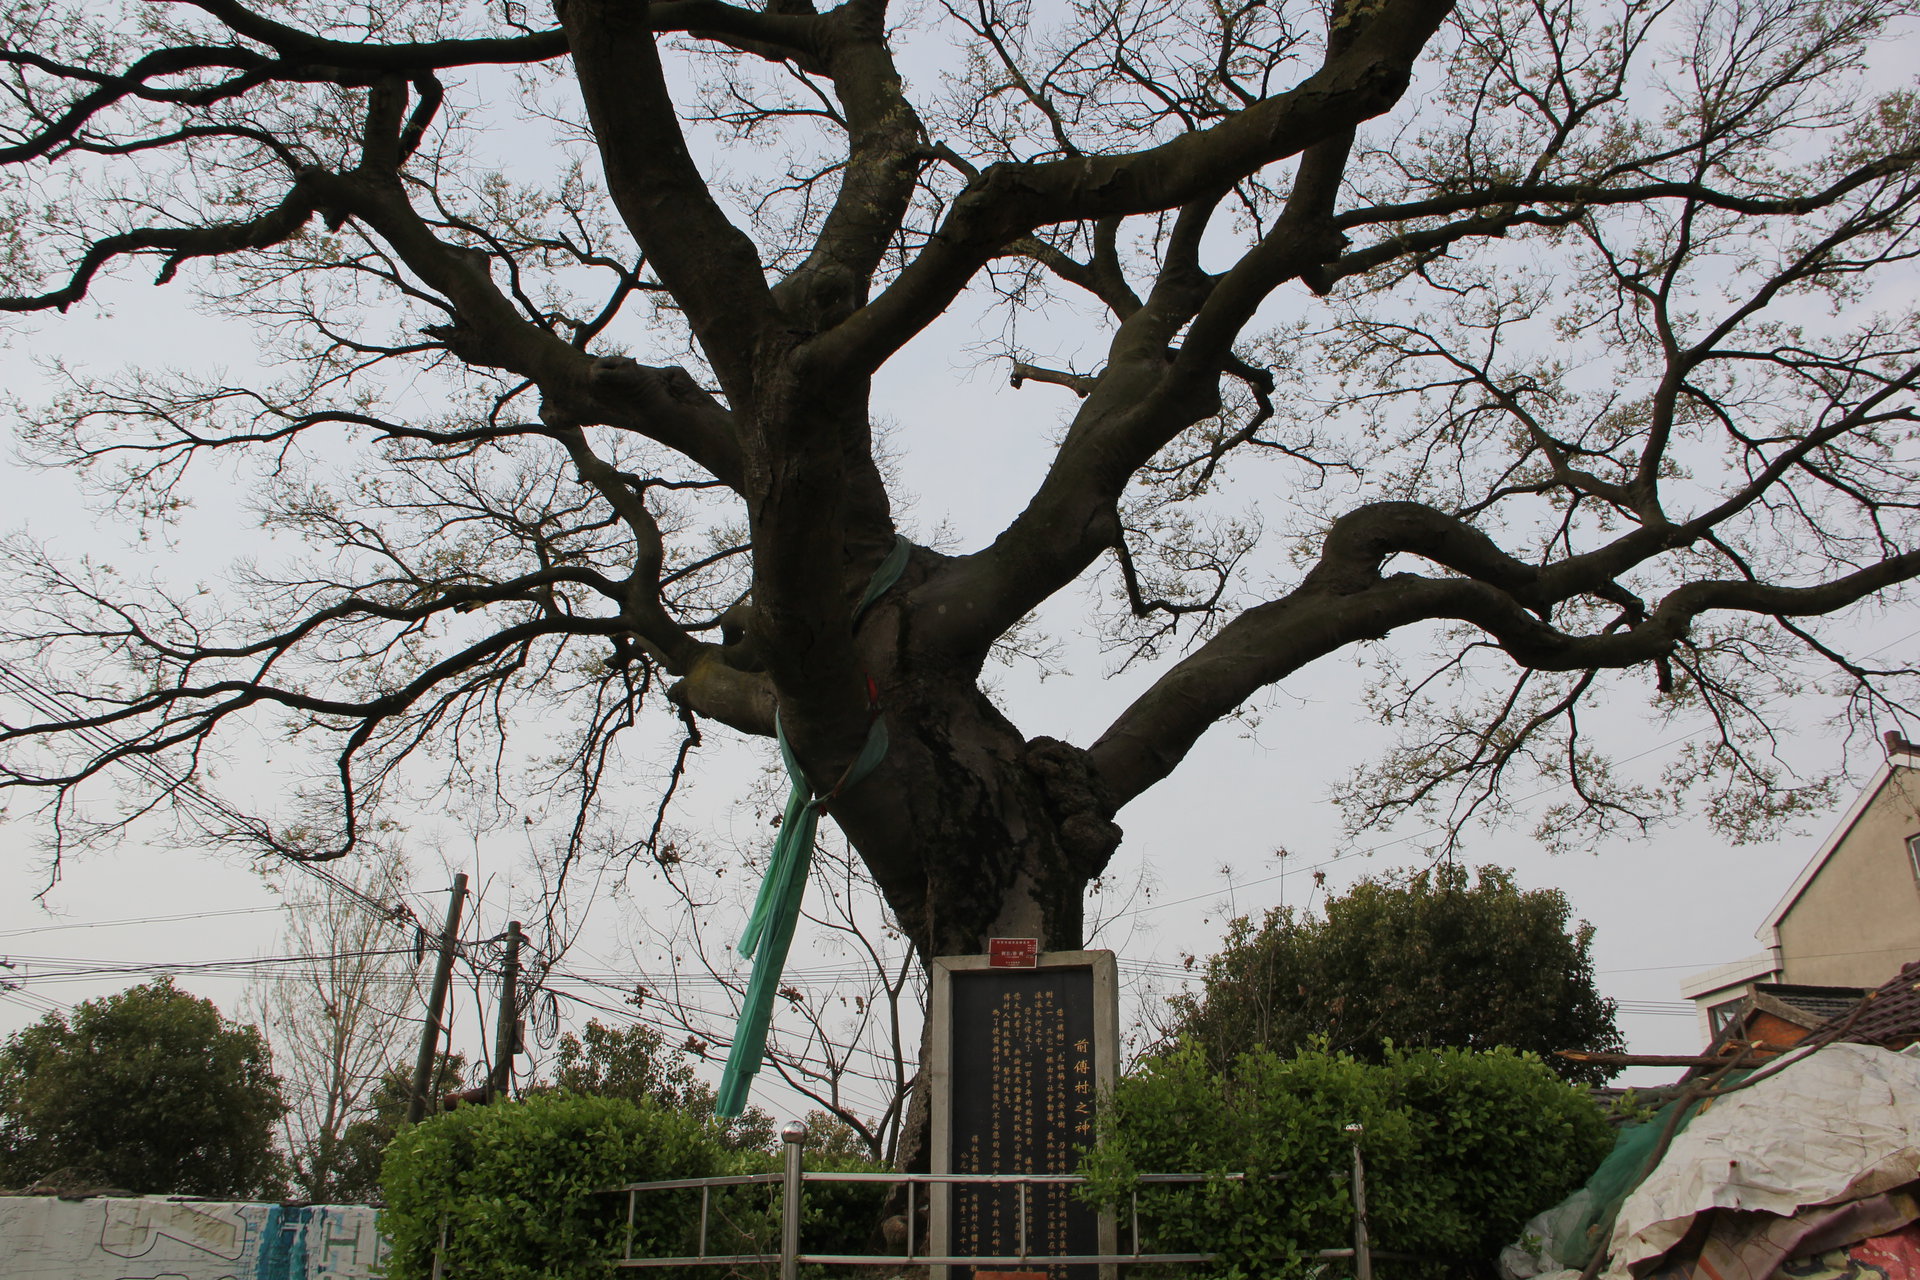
column 1731, row 1244
column 1890, row 1257
column 1564, row 1237
column 1839, row 1125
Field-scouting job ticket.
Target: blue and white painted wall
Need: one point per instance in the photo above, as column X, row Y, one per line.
column 140, row 1238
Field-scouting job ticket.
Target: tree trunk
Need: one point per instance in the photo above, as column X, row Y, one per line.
column 973, row 832
column 970, row 830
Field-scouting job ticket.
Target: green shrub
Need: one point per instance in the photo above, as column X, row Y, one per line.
column 1461, row 1147
column 515, row 1185
column 1503, row 1138
column 835, row 1217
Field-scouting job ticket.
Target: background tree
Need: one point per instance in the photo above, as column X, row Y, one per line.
column 364, row 1142
column 339, row 1018
column 631, row 1062
column 1418, row 959
column 636, row 1063
column 1587, row 369
column 150, row 1090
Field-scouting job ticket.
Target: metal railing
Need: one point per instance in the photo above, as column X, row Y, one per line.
column 793, row 1179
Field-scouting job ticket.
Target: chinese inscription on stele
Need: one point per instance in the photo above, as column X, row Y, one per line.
column 1022, row 1055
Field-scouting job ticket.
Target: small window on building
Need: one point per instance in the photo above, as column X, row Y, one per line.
column 1913, row 854
column 1725, row 1014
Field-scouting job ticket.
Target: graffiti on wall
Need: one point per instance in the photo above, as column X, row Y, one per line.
column 149, row 1237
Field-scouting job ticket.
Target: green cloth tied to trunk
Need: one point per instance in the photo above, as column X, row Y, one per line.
column 776, row 912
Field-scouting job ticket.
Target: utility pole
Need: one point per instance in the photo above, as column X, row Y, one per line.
column 436, row 1001
column 506, row 1038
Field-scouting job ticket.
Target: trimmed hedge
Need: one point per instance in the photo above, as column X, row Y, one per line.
column 1461, row 1148
column 515, row 1184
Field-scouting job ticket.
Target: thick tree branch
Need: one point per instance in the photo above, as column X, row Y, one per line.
column 578, row 388
column 180, row 244
column 134, row 82
column 884, row 148
column 1146, row 396
column 710, row 266
column 293, row 43
column 1344, row 600
column 711, row 687
column 1008, row 201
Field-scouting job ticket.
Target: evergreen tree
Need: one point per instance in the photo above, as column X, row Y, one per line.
column 1419, row 959
column 150, row 1090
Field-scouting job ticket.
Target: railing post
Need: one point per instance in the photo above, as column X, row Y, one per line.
column 793, row 1135
column 1362, row 1255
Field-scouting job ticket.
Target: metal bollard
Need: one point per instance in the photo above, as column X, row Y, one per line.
column 1362, row 1255
column 793, row 1136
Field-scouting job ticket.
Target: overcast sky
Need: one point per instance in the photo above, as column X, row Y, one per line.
column 1199, row 848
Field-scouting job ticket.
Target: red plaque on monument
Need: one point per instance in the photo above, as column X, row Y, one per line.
column 1013, row 953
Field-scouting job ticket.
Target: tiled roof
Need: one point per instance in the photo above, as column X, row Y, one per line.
column 1888, row 1016
column 1825, row 1004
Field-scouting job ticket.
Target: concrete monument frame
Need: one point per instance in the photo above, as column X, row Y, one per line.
column 1106, row 1052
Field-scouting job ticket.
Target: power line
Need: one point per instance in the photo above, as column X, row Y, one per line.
column 82, row 969
column 1813, row 955
column 185, row 915
column 1656, row 1008
column 190, row 795
column 639, row 1015
column 46, row 1004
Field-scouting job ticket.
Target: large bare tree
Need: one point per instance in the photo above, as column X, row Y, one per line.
column 1576, row 337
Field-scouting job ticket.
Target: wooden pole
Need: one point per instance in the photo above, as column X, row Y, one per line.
column 506, row 1030
column 1735, row 1047
column 436, row 1001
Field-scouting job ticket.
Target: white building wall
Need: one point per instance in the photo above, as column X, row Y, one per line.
column 138, row 1238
